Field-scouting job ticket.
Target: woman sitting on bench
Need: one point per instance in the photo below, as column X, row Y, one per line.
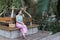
column 20, row 24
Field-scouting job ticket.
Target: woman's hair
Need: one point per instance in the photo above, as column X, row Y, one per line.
column 18, row 12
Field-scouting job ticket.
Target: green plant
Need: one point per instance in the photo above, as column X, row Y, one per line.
column 54, row 27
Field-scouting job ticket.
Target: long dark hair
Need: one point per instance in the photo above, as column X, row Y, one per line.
column 18, row 11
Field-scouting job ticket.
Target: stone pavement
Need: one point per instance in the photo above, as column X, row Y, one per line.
column 52, row 37
column 36, row 36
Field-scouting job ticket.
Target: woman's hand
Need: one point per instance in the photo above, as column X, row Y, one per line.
column 22, row 23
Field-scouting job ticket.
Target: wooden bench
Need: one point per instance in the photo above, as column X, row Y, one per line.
column 10, row 20
column 6, row 19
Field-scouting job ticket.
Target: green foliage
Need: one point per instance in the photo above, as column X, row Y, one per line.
column 2, row 5
column 7, row 4
column 54, row 27
column 16, row 3
column 51, row 26
column 43, row 5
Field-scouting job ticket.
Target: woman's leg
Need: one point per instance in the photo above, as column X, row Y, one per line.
column 24, row 31
column 18, row 25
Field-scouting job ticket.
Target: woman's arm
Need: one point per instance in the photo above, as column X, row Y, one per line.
column 16, row 18
column 23, row 15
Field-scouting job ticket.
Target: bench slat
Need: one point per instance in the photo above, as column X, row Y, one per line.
column 14, row 28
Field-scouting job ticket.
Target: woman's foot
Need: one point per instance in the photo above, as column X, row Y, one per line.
column 23, row 37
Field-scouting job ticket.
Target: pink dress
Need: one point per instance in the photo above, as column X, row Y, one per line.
column 23, row 28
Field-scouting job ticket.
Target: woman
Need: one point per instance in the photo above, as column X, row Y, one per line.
column 20, row 24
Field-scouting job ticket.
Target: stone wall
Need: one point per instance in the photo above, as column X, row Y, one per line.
column 16, row 33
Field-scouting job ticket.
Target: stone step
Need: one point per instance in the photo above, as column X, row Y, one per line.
column 37, row 36
column 52, row 37
column 16, row 33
